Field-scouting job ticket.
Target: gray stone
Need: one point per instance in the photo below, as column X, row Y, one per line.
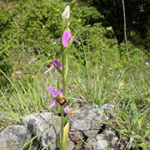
column 71, row 145
column 106, row 140
column 14, row 137
column 107, row 108
column 89, row 118
column 42, row 126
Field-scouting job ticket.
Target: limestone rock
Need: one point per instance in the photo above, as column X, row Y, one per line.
column 14, row 137
column 104, row 141
column 89, row 118
column 42, row 126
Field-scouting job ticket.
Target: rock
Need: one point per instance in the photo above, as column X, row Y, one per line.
column 45, row 127
column 42, row 126
column 107, row 108
column 71, row 145
column 89, row 118
column 14, row 137
column 104, row 141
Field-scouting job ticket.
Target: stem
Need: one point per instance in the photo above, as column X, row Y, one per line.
column 62, row 126
column 125, row 36
column 63, row 74
column 64, row 92
column 66, row 68
column 64, row 77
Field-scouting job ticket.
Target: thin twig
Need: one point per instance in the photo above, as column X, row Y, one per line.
column 32, row 60
column 3, row 4
column 125, row 36
column 130, row 143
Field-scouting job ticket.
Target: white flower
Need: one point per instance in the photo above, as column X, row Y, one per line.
column 66, row 12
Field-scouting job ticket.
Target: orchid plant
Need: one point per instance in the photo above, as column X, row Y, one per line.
column 66, row 39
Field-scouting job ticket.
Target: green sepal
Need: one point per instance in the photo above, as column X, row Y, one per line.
column 63, row 23
column 66, row 117
column 62, row 30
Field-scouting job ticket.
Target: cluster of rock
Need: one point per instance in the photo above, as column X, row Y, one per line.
column 40, row 131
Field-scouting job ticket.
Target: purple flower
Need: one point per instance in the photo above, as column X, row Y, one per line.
column 66, row 12
column 65, row 38
column 58, row 97
column 72, row 112
column 54, row 63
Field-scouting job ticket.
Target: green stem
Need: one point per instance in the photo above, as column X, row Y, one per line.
column 63, row 74
column 64, row 77
column 62, row 126
column 64, row 92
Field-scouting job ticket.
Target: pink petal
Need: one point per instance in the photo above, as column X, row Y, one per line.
column 57, row 41
column 58, row 64
column 48, row 69
column 75, row 40
column 61, row 91
column 52, row 102
column 74, row 119
column 65, row 38
column 52, row 91
column 67, row 12
column 67, row 110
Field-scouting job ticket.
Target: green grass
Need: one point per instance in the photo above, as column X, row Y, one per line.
column 97, row 75
column 98, row 85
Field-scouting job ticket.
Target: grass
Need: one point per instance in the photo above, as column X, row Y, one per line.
column 104, row 78
column 99, row 85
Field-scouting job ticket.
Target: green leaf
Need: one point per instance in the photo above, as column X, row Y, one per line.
column 66, row 117
column 145, row 146
column 59, row 143
column 55, row 125
column 136, row 136
column 67, row 145
column 141, row 121
column 123, row 116
column 147, row 133
column 66, row 131
column 124, row 131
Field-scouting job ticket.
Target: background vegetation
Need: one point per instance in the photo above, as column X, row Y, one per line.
column 99, row 68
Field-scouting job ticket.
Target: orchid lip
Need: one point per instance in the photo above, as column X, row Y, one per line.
column 55, row 94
